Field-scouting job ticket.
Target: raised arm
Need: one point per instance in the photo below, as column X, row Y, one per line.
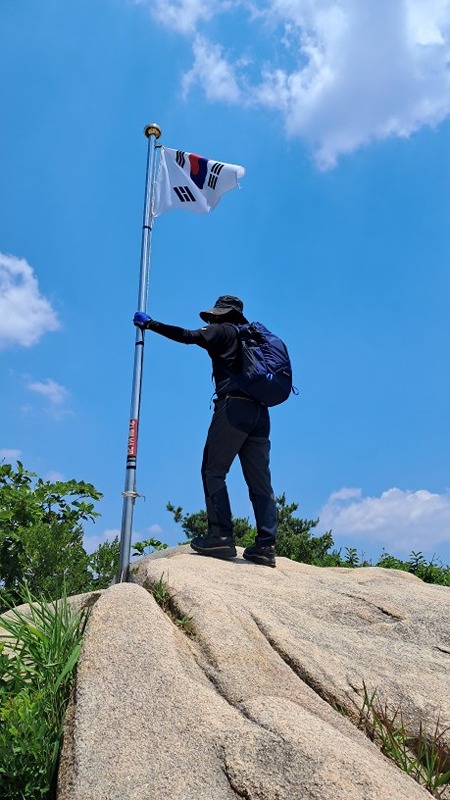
column 182, row 335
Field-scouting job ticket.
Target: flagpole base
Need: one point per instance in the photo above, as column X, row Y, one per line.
column 152, row 130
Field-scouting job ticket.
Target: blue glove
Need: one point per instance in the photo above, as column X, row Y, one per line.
column 140, row 319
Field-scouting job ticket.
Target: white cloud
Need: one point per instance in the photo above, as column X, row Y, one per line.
column 404, row 520
column 10, row 455
column 341, row 73
column 54, row 477
column 25, row 315
column 53, row 391
column 111, row 533
column 344, row 494
column 370, row 71
column 184, row 15
column 212, row 70
column 92, row 541
column 155, row 530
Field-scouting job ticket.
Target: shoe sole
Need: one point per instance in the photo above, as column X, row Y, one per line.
column 216, row 552
column 261, row 560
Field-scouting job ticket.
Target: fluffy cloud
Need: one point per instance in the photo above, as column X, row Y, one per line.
column 341, row 73
column 404, row 520
column 212, row 70
column 24, row 313
column 156, row 530
column 54, row 477
column 92, row 541
column 9, row 455
column 53, row 391
column 184, row 15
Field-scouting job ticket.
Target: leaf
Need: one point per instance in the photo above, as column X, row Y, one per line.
column 72, row 660
column 442, row 779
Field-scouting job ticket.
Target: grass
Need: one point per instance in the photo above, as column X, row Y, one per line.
column 161, row 592
column 423, row 756
column 39, row 649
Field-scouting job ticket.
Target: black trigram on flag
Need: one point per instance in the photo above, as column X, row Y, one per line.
column 214, row 174
column 180, row 158
column 184, row 194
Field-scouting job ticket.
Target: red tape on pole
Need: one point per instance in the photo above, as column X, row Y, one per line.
column 132, row 438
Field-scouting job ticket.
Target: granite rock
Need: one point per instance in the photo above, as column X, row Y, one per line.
column 248, row 707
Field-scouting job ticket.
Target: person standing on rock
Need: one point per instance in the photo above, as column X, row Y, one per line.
column 240, row 427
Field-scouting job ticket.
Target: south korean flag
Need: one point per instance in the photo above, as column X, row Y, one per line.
column 192, row 182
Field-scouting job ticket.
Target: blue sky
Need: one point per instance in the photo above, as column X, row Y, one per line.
column 338, row 240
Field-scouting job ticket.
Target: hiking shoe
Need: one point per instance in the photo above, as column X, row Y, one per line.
column 216, row 546
column 261, row 554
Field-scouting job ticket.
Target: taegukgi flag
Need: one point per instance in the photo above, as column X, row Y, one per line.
column 188, row 181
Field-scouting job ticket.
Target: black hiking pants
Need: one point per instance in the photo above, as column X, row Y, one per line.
column 239, row 427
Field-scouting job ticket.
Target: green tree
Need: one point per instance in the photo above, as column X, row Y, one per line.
column 192, row 524
column 196, row 524
column 41, row 534
column 295, row 539
column 103, row 564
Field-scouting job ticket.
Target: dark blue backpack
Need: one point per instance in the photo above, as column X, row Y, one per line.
column 266, row 368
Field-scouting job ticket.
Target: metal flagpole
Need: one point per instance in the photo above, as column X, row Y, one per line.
column 152, row 132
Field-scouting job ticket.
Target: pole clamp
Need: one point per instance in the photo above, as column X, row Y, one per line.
column 133, row 495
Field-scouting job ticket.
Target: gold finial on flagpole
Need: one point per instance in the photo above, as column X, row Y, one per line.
column 152, row 130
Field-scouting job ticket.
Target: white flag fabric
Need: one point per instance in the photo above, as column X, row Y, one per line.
column 188, row 181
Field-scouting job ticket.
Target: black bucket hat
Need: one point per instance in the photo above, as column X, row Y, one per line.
column 224, row 305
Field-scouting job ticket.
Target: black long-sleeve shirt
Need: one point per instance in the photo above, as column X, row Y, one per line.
column 221, row 342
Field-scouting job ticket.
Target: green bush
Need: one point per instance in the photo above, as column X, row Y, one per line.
column 417, row 564
column 39, row 649
column 41, row 537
